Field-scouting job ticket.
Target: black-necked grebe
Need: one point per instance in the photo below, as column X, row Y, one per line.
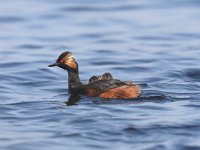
column 100, row 86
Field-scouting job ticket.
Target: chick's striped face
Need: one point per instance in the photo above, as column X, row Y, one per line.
column 69, row 60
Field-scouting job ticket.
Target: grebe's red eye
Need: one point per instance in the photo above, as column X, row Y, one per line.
column 61, row 60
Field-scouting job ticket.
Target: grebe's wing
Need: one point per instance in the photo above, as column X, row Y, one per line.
column 104, row 85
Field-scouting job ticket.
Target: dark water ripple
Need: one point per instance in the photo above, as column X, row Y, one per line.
column 11, row 19
column 155, row 44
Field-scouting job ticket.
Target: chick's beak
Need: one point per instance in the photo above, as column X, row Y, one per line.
column 55, row 64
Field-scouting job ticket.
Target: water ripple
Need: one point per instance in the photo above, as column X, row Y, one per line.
column 11, row 19
column 155, row 44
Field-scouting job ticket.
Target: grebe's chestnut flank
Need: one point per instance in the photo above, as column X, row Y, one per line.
column 100, row 86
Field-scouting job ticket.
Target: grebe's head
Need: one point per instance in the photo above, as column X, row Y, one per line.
column 66, row 61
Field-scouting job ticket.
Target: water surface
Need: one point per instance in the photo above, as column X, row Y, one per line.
column 155, row 44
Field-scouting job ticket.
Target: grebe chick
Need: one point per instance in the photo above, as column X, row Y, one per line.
column 94, row 79
column 105, row 76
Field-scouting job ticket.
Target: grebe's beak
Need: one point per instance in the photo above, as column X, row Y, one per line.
column 55, row 64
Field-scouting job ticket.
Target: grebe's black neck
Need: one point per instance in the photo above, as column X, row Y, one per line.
column 73, row 80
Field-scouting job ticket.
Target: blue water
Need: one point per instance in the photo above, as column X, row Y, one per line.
column 153, row 43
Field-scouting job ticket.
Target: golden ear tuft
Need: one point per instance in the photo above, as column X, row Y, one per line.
column 69, row 56
column 71, row 63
